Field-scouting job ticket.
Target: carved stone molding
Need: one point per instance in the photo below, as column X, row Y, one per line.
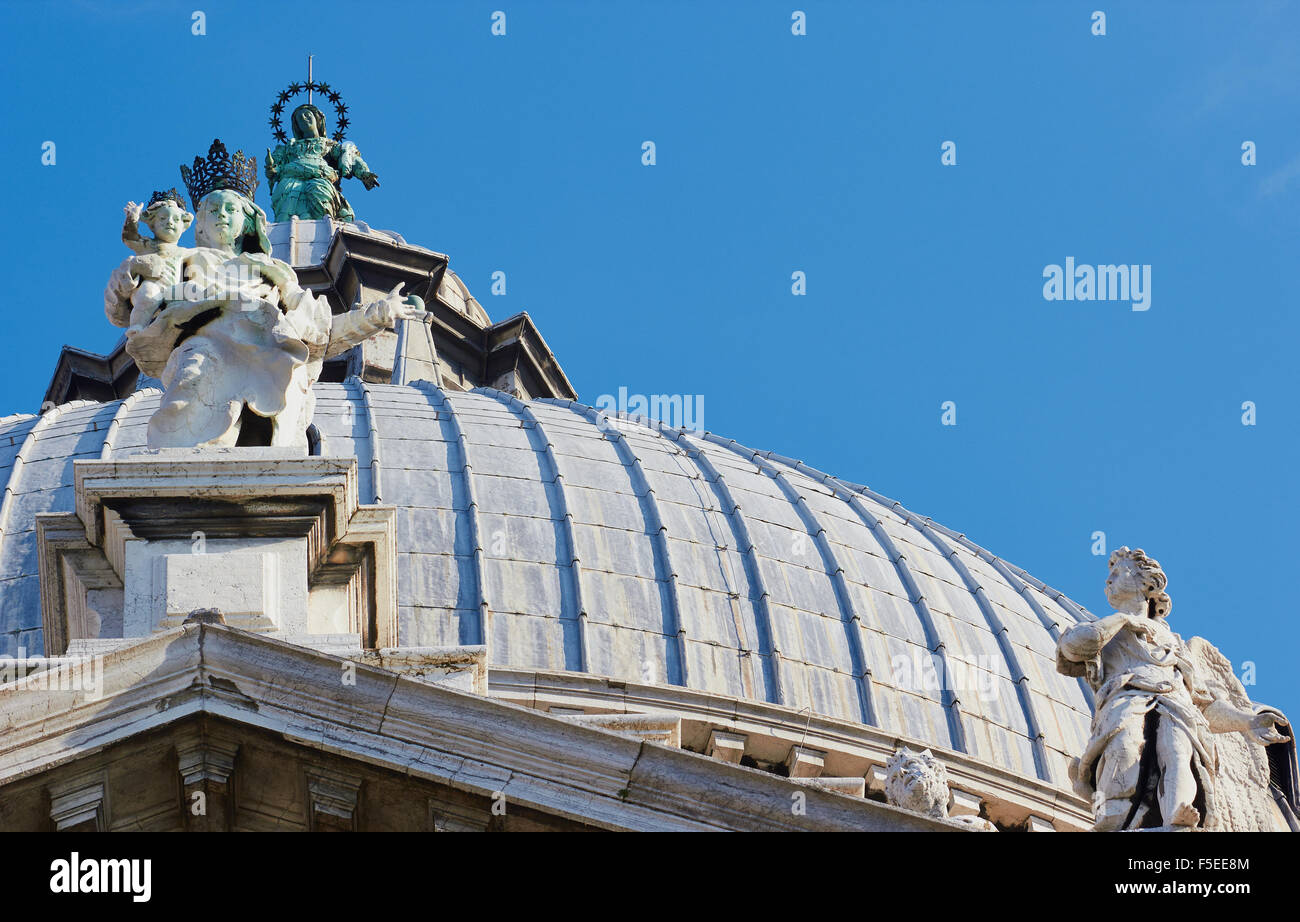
column 206, row 765
column 333, row 798
column 78, row 805
column 275, row 540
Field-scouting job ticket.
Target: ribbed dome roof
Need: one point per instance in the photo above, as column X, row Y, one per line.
column 649, row 555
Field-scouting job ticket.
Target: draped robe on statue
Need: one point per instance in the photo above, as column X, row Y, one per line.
column 228, row 339
column 1133, row 677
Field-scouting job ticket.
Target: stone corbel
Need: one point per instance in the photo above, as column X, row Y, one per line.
column 727, row 746
column 445, row 817
column 206, row 766
column 805, row 763
column 78, row 805
column 333, row 799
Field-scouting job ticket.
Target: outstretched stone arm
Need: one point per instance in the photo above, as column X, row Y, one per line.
column 1260, row 724
column 361, row 323
column 131, row 228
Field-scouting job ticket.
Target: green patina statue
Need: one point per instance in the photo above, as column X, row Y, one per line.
column 305, row 172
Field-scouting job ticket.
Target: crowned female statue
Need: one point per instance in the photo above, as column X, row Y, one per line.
column 305, row 172
column 239, row 343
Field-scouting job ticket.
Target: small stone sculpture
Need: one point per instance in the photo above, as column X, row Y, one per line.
column 1151, row 759
column 917, row 781
column 158, row 261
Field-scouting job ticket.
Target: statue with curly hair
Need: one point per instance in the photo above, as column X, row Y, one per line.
column 1150, row 760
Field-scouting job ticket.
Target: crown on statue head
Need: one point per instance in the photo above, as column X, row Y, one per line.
column 166, row 195
column 221, row 171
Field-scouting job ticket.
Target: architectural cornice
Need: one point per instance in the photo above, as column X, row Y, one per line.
column 478, row 745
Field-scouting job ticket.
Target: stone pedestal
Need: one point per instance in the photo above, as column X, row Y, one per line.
column 274, row 540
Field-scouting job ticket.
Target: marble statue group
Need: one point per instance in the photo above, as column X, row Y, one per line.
column 235, row 340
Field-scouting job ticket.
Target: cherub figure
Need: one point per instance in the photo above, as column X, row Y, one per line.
column 1151, row 759
column 157, row 262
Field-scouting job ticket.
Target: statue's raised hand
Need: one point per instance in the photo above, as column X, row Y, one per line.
column 394, row 307
column 369, row 180
column 132, row 211
column 272, row 168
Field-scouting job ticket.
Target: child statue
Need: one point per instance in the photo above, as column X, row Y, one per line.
column 157, row 262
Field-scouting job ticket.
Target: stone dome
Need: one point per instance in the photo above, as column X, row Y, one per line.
column 620, row 564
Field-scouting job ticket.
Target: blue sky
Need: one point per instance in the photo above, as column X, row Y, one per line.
column 777, row 153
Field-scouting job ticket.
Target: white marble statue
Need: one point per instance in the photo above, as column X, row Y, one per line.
column 1151, row 760
column 917, row 781
column 158, row 259
column 238, row 343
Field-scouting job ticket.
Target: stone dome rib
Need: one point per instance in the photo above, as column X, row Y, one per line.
column 1018, row 676
column 658, row 535
column 123, row 410
column 1010, row 575
column 466, row 472
column 929, row 625
column 42, row 422
column 848, row 612
column 769, row 655
column 1013, row 575
column 376, row 468
column 573, row 616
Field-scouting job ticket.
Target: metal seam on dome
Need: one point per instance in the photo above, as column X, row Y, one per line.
column 1002, row 635
column 929, row 625
column 1081, row 613
column 43, row 421
column 1018, row 578
column 757, row 584
column 1021, row 580
column 375, row 486
column 471, row 511
column 928, row 528
column 657, row 530
column 1023, row 589
column 840, row 487
column 123, row 410
column 579, row 617
column 848, row 613
column 1059, row 597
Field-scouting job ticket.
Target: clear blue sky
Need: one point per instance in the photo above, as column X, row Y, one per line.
column 779, row 153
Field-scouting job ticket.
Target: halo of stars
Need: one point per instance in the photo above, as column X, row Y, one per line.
column 296, row 89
